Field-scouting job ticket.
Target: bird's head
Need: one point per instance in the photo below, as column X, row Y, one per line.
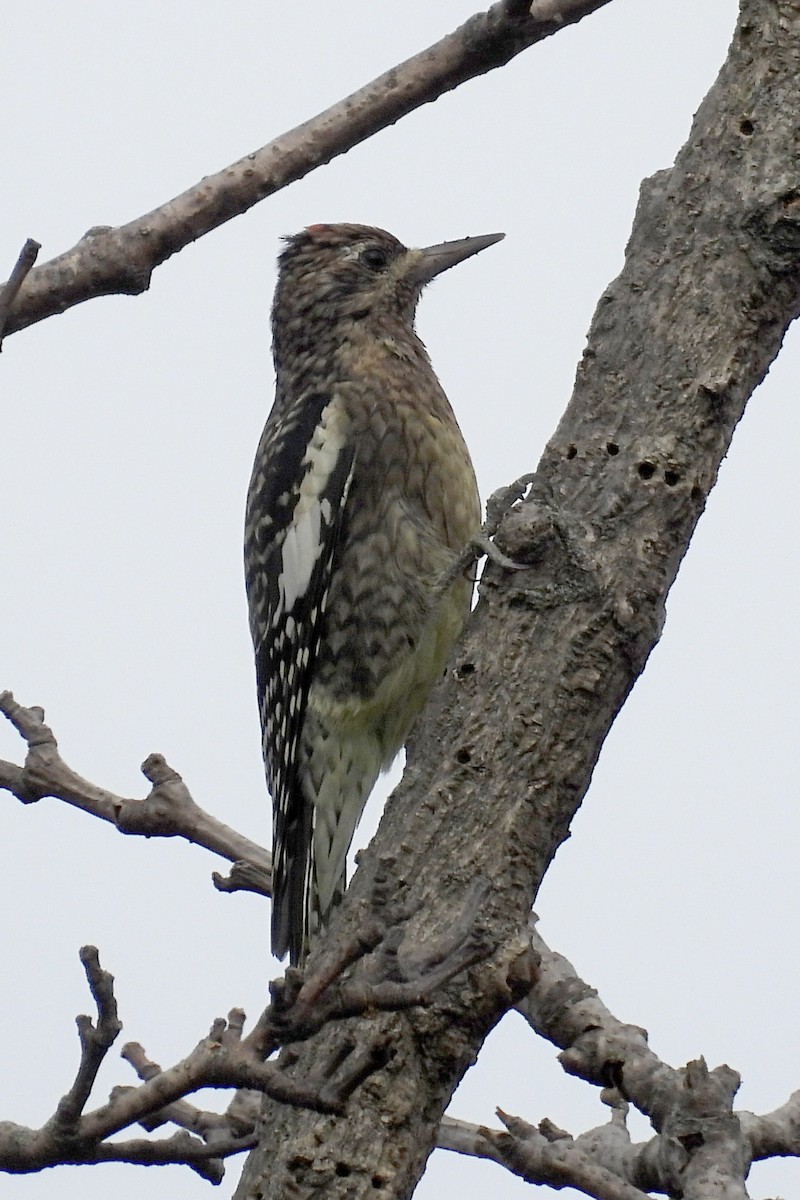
column 330, row 273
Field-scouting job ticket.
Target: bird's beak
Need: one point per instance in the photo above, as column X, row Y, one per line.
column 431, row 261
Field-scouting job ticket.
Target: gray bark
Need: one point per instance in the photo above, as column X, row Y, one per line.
column 505, row 753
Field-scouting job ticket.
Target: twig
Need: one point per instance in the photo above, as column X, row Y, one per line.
column 168, row 811
column 96, row 1041
column 227, row 1059
column 244, row 876
column 110, row 261
column 560, row 1163
column 700, row 1137
column 538, row 1159
column 27, row 257
column 554, row 1161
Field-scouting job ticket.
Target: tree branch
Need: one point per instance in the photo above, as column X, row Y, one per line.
column 168, row 810
column 691, row 1109
column 527, row 1152
column 702, row 1146
column 109, row 261
column 776, row 1133
column 96, row 1041
column 8, row 293
column 349, row 980
column 596, row 1046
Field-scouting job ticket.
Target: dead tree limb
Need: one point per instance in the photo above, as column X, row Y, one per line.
column 120, row 261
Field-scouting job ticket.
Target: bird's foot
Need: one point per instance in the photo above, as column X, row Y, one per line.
column 502, row 501
column 499, row 503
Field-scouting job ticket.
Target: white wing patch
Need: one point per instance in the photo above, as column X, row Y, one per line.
column 305, row 538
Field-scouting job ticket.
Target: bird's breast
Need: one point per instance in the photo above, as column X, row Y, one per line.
column 413, row 506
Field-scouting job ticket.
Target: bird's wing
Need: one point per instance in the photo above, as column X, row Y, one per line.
column 296, row 511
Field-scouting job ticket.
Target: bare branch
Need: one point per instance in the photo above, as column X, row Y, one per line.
column 701, row 1141
column 775, row 1133
column 596, row 1046
column 301, row 1005
column 96, row 1041
column 168, row 810
column 244, row 876
column 180, row 1149
column 703, row 1148
column 222, row 1059
column 536, row 1158
column 692, row 1109
column 560, row 1162
column 110, row 261
column 8, row 294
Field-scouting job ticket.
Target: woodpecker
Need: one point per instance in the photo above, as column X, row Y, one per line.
column 362, row 496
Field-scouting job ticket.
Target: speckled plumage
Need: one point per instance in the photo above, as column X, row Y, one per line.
column 362, row 494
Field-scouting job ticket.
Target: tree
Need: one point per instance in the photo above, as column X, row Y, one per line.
column 744, row 139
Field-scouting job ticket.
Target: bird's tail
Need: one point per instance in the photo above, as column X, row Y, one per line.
column 290, row 884
column 337, row 779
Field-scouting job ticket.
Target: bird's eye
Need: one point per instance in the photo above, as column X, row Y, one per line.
column 374, row 258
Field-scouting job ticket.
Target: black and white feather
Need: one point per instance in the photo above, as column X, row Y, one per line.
column 296, row 512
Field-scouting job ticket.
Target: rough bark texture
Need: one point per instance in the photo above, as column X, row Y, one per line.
column 505, row 753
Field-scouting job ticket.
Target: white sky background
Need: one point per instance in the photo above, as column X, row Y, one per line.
column 128, row 432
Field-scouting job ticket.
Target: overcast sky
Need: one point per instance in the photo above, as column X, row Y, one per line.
column 128, row 432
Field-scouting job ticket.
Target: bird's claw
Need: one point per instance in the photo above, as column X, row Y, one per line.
column 504, row 499
column 483, row 545
column 499, row 503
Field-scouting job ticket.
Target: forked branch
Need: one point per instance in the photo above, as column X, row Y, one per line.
column 360, row 974
column 698, row 1135
column 167, row 811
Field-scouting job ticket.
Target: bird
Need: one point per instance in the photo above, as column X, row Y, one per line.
column 362, row 496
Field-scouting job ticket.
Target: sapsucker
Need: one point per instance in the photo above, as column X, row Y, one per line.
column 362, row 496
